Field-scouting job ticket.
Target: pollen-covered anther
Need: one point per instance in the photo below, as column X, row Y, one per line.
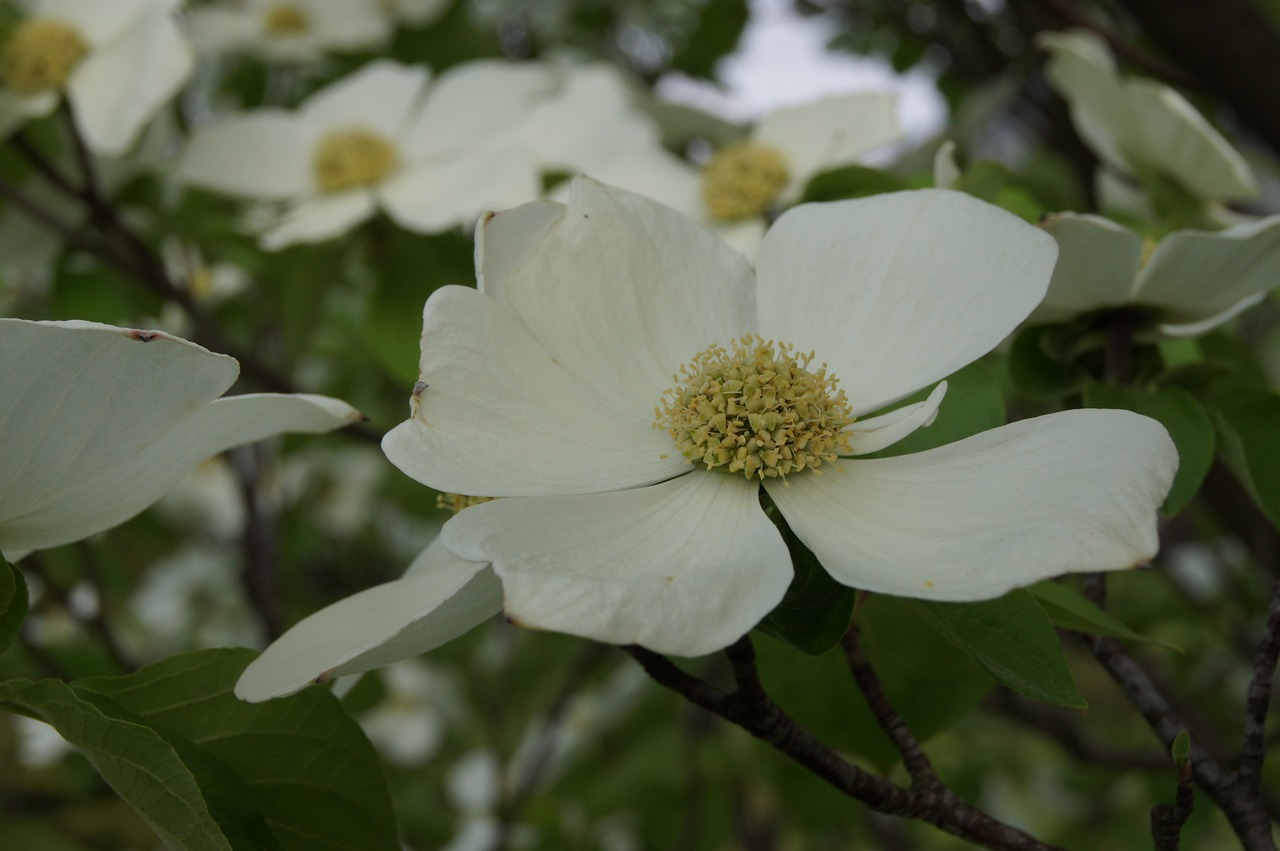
column 285, row 19
column 353, row 158
column 742, row 180
column 40, row 55
column 455, row 502
column 757, row 409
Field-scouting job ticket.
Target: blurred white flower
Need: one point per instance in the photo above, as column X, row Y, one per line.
column 1139, row 126
column 420, row 702
column 288, row 30
column 98, row 422
column 432, row 155
column 1188, row 283
column 117, row 62
column 39, row 745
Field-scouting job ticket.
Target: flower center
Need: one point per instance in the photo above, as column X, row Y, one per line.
column 455, row 502
column 349, row 159
column 286, row 19
column 742, row 180
column 40, row 55
column 757, row 409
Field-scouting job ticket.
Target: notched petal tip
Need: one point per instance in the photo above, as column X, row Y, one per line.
column 143, row 336
column 324, row 679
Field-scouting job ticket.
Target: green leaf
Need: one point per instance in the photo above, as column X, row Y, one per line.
column 720, row 25
column 983, row 180
column 1247, row 422
column 1069, row 609
column 930, row 682
column 973, row 404
column 1041, row 363
column 1011, row 638
column 1180, row 750
column 13, row 603
column 854, row 181
column 1186, row 420
column 135, row 760
column 815, row 611
column 317, row 778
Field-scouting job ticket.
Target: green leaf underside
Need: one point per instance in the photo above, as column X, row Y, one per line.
column 1011, row 637
column 1248, row 422
column 209, row 771
column 135, row 760
column 1069, row 609
column 1186, row 421
column 814, row 613
column 316, row 775
column 13, row 603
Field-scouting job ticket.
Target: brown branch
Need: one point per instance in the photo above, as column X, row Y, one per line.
column 1167, row 819
column 259, row 548
column 914, row 758
column 753, row 710
column 94, row 622
column 1258, row 700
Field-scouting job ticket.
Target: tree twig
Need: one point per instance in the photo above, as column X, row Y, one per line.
column 1167, row 819
column 1258, row 699
column 754, row 711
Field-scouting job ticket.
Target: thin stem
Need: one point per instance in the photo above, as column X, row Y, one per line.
column 1167, row 819
column 258, row 544
column 1258, row 701
column 754, row 711
column 914, row 758
column 1120, row 348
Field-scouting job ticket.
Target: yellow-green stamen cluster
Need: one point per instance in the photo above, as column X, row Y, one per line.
column 352, row 158
column 757, row 409
column 455, row 502
column 286, row 19
column 742, row 180
column 40, row 55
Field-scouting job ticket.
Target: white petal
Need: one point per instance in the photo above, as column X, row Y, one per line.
column 589, row 122
column 455, row 191
column 505, row 238
column 348, row 24
column 264, row 154
column 216, row 30
column 378, row 97
column 1179, row 141
column 475, row 101
column 89, row 503
column 1195, row 329
column 101, row 23
column 496, row 415
column 1097, row 266
column 1194, row 276
column 320, row 218
column 1069, row 492
column 685, row 567
column 827, row 133
column 622, row 291
column 1080, row 67
column 439, row 598
column 743, row 237
column 17, row 110
column 115, row 91
column 899, row 290
column 867, row 436
column 654, row 173
column 80, row 399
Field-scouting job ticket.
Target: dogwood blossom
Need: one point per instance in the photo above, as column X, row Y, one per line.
column 289, row 30
column 431, row 155
column 116, row 61
column 1139, row 126
column 97, row 422
column 1188, row 283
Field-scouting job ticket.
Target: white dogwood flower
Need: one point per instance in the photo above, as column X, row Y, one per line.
column 1188, row 283
column 289, row 30
column 634, row 513
column 116, row 61
column 432, row 155
column 97, row 422
column 1139, row 126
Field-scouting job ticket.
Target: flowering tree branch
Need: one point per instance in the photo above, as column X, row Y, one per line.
column 1167, row 819
column 751, row 708
column 1258, row 700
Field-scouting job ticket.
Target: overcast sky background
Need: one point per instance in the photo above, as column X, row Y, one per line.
column 782, row 59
